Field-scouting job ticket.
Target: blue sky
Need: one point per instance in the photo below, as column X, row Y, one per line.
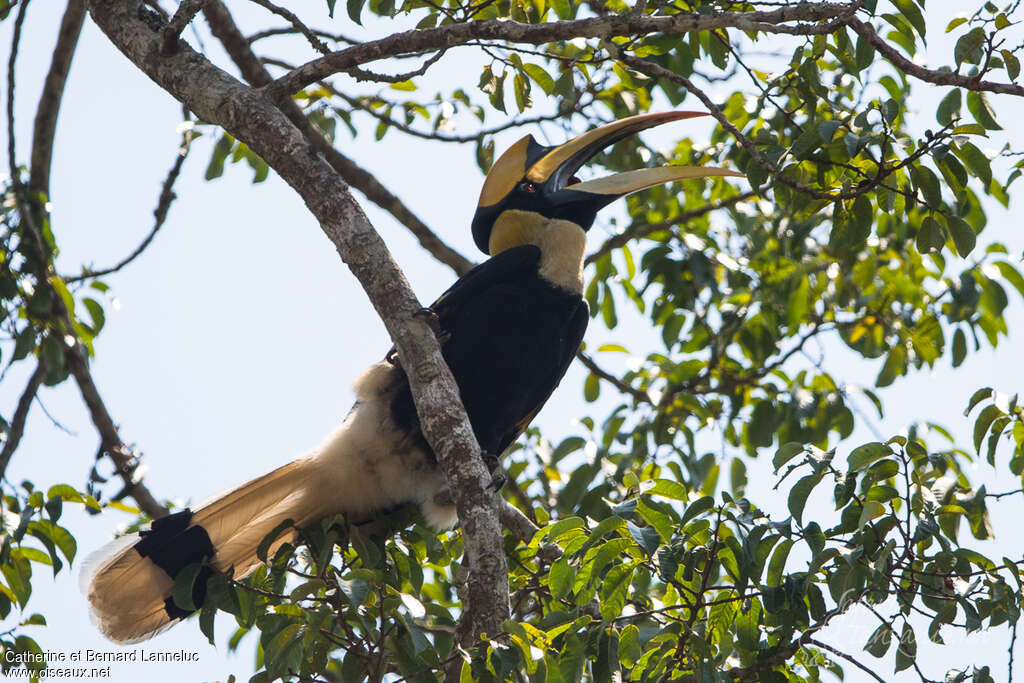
column 234, row 339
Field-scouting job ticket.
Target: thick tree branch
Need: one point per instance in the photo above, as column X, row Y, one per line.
column 422, row 40
column 238, row 47
column 17, row 424
column 253, row 119
column 45, row 125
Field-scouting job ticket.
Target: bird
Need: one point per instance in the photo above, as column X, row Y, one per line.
column 508, row 329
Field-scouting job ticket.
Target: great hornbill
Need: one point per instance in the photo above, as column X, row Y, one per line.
column 508, row 330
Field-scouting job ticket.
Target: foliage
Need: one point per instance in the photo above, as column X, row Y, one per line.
column 860, row 225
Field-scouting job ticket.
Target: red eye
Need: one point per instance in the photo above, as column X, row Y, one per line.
column 572, row 181
column 529, row 187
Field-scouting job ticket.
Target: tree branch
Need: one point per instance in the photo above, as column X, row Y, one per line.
column 253, row 119
column 851, row 660
column 17, row 425
column 422, row 40
column 185, row 13
column 45, row 125
column 924, row 74
column 224, row 28
column 297, row 24
column 590, row 364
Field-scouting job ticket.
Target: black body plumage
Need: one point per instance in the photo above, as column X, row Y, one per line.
column 508, row 336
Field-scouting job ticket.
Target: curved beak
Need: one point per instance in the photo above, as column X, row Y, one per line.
column 554, row 170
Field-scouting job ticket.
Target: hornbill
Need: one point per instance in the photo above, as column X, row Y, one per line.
column 508, row 330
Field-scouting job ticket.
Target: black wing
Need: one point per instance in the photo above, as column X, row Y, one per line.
column 510, row 264
column 508, row 336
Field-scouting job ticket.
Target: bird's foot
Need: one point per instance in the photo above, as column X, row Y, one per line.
column 428, row 316
column 498, row 477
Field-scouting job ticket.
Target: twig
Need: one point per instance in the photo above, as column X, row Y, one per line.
column 45, row 124
column 12, row 158
column 590, row 364
column 17, row 424
column 1013, row 643
column 53, row 419
column 290, row 30
column 185, row 13
column 288, row 16
column 364, row 75
column 851, row 660
column 163, row 205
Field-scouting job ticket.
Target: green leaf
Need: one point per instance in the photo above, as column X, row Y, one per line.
column 183, row 587
column 748, row 634
column 910, row 10
column 264, row 547
column 955, row 22
column 330, row 13
column 931, row 237
column 977, row 163
column 1011, row 275
column 540, row 77
column 799, row 494
column 977, row 397
column 591, row 388
column 95, row 311
column 1011, row 63
column 879, row 641
column 983, row 422
column 949, row 107
column 906, row 653
column 560, row 578
column 805, row 143
column 865, row 455
column 872, row 510
column 963, row 235
column 959, row 347
column 827, row 129
column 981, row 110
column 928, row 184
column 969, row 47
column 614, row 589
column 355, row 10
column 787, row 452
column 864, row 55
column 778, row 563
column 630, row 649
column 696, row 508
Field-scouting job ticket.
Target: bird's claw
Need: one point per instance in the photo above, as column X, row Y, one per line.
column 428, row 316
column 498, row 477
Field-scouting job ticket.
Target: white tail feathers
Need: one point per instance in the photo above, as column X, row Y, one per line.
column 129, row 581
